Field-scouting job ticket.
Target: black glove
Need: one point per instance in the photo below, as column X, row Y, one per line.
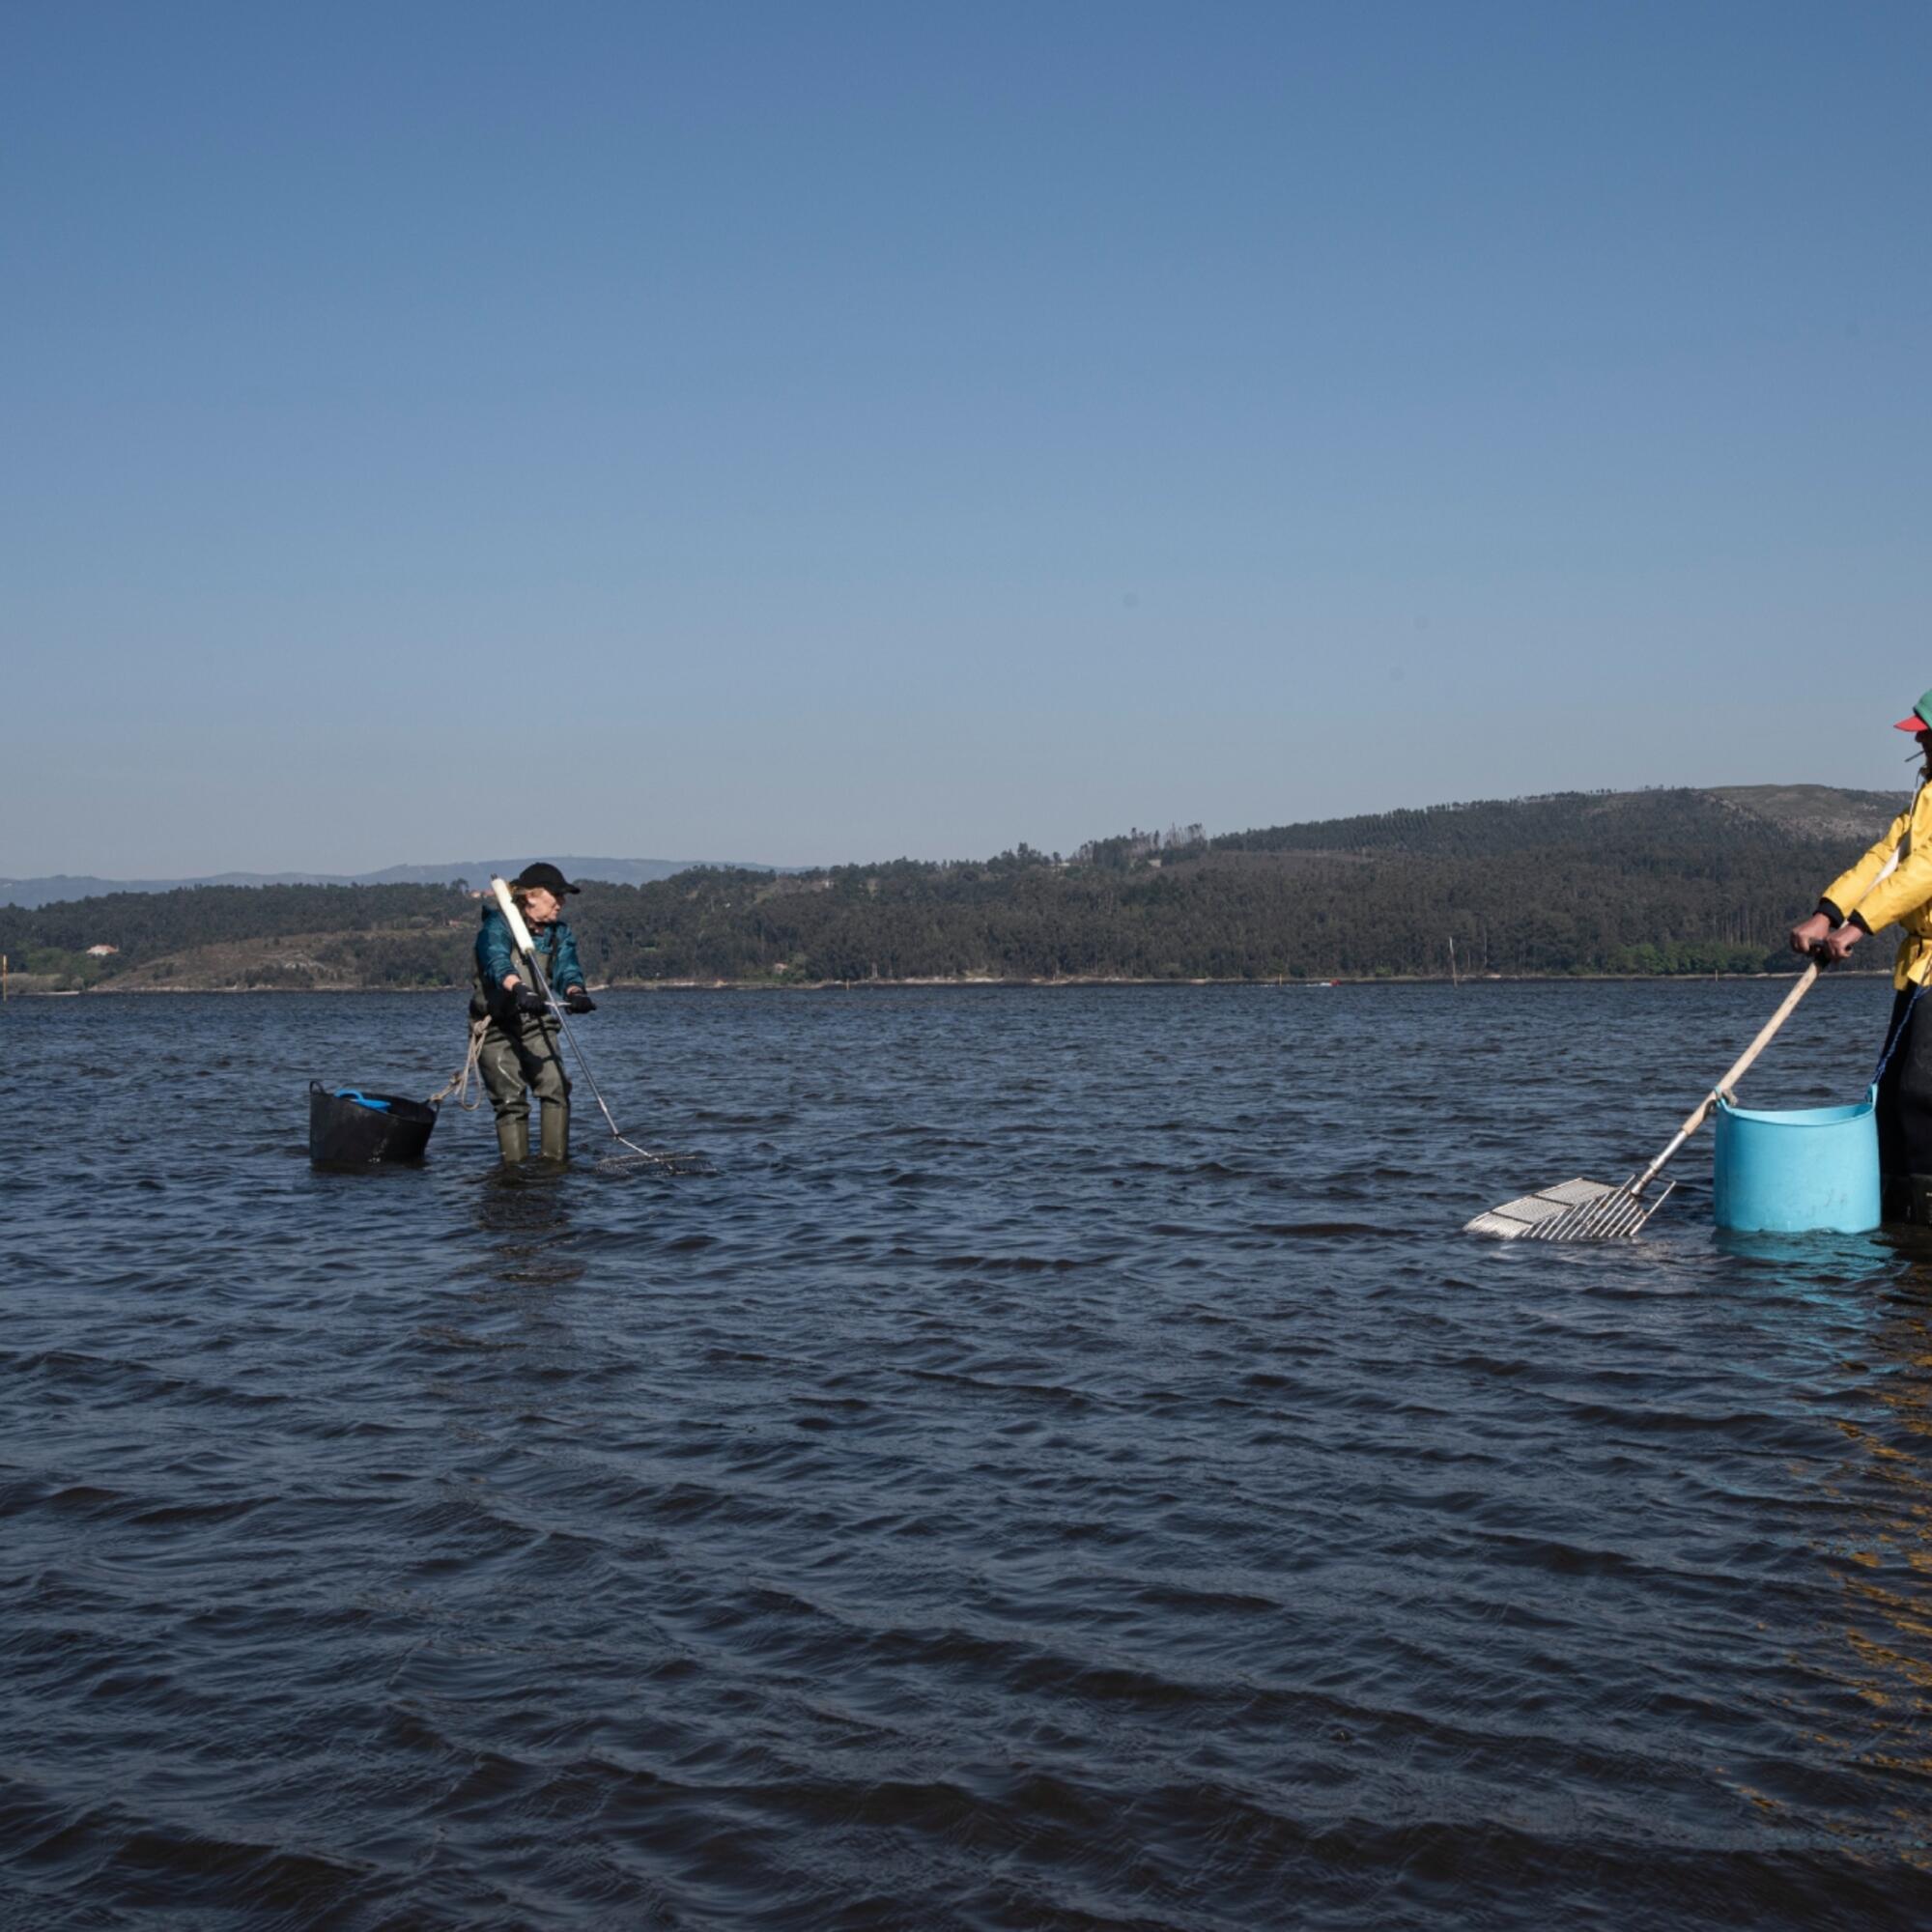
column 529, row 1001
column 578, row 1001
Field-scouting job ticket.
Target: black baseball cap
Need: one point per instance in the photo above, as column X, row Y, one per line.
column 542, row 874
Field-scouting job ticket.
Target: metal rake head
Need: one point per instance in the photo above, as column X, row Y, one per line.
column 628, row 1158
column 1572, row 1210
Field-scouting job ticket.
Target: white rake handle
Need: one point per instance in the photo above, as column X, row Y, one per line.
column 1740, row 1066
column 513, row 918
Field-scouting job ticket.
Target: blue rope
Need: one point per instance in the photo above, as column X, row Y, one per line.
column 1897, row 1034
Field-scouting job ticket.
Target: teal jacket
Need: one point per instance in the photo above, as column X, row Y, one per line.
column 496, row 955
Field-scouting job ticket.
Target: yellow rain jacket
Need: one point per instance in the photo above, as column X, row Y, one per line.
column 1905, row 896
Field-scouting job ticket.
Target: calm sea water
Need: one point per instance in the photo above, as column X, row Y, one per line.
column 1061, row 1467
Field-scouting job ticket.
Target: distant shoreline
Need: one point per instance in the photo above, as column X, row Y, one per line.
column 976, row 984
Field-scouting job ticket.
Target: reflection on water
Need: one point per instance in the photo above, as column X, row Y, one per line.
column 1883, row 1557
column 1873, row 1657
column 1862, row 1675
column 525, row 1216
column 1060, row 1465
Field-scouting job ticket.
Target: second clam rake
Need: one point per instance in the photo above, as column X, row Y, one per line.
column 1595, row 1210
column 519, row 933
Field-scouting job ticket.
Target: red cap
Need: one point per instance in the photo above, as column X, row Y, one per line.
column 1915, row 723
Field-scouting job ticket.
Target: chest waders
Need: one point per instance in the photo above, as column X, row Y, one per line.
column 519, row 1057
column 1903, row 1085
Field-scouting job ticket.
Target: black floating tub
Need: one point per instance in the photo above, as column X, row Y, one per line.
column 348, row 1127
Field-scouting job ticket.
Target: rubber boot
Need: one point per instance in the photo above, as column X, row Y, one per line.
column 554, row 1133
column 1919, row 1209
column 513, row 1137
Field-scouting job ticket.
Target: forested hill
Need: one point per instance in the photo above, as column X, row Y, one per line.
column 1667, row 881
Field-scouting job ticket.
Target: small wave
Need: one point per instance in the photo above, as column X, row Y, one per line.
column 1316, row 1229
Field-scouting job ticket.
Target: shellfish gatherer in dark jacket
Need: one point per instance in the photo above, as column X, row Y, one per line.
column 518, row 1055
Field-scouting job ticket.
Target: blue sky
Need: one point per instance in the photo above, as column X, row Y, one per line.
column 807, row 433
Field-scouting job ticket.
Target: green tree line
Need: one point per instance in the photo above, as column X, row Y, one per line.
column 1672, row 881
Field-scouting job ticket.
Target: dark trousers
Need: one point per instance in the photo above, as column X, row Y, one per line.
column 1905, row 1091
column 519, row 1058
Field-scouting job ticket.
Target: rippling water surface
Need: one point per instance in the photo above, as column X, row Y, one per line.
column 1061, row 1467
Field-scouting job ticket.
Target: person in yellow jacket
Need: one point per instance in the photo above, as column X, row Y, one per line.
column 1893, row 884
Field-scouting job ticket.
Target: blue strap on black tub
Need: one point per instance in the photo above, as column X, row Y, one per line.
column 375, row 1106
column 1897, row 1034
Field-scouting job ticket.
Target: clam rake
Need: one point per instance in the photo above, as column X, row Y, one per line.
column 1595, row 1210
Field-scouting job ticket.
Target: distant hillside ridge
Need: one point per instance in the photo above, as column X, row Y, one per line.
column 1807, row 813
column 60, row 887
column 1819, row 811
column 1665, row 881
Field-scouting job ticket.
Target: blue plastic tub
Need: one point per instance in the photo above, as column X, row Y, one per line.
column 1793, row 1173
